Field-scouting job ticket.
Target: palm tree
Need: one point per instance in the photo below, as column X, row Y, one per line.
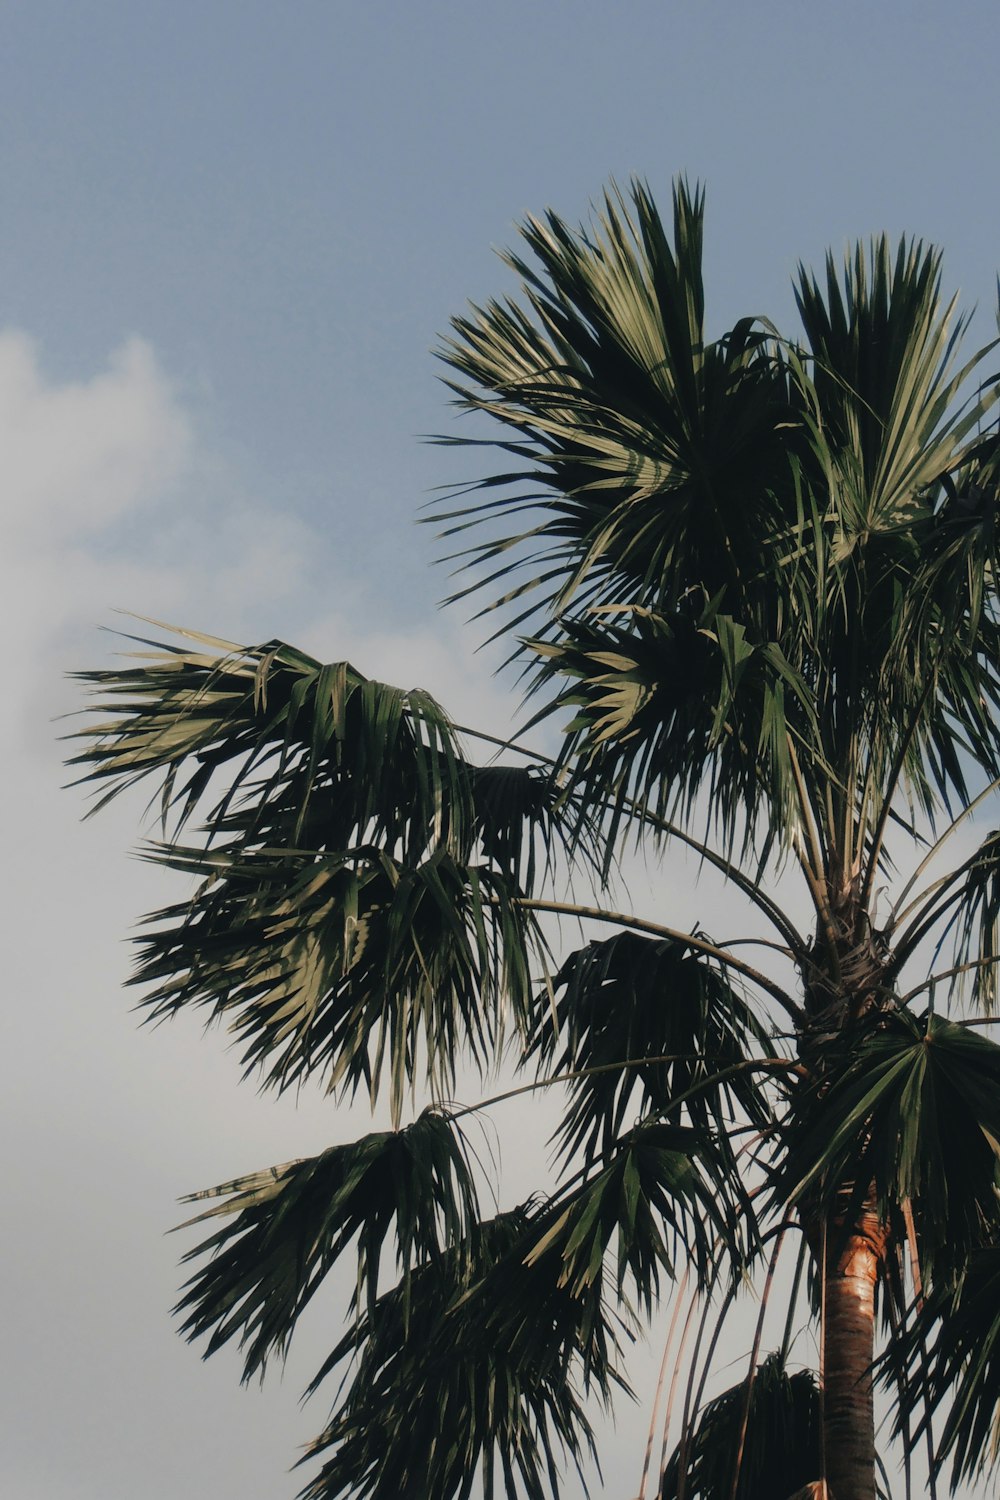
column 754, row 582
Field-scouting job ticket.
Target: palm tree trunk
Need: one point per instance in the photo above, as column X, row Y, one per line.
column 849, row 1305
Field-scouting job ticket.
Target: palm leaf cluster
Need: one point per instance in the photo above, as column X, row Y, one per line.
column 751, row 579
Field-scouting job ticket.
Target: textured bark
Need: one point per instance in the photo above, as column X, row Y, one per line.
column 849, row 1424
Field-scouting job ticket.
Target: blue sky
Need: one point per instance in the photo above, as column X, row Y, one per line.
column 232, row 233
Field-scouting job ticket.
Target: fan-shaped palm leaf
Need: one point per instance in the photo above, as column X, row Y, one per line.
column 336, row 965
column 628, row 998
column 949, row 1356
column 780, row 1453
column 287, row 1226
column 913, row 1109
column 661, row 1195
column 360, row 885
column 482, row 1366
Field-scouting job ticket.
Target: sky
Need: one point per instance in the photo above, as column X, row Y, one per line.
column 233, row 232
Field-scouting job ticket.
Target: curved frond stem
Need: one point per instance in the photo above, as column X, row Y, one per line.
column 692, row 1400
column 682, row 1469
column 889, row 792
column 926, row 919
column 806, row 811
column 772, row 1266
column 793, row 1297
column 752, row 942
column 904, row 1416
column 918, row 1292
column 763, row 1065
column 513, row 745
column 739, row 878
column 656, row 929
column 813, row 870
column 956, row 969
column 895, row 913
column 706, row 1367
column 674, row 1317
column 911, row 1244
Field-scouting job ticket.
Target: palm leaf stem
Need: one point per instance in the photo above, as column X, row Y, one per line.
column 793, row 1297
column 905, row 1431
column 737, row 877
column 754, row 942
column 895, row 914
column 923, row 907
column 684, row 1438
column 918, row 1297
column 656, row 929
column 927, row 918
column 956, row 969
column 762, row 1064
column 813, row 873
column 674, row 1316
column 772, row 1267
column 692, row 1398
column 904, row 1415
column 797, row 944
column 889, row 791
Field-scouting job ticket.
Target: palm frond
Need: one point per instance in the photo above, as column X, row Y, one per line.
column 342, row 967
column 948, row 1357
column 287, row 1226
column 976, row 922
column 359, row 876
column 781, row 1448
column 913, row 1108
column 662, row 1196
column 483, row 1366
column 630, row 998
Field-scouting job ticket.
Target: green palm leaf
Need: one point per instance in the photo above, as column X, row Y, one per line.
column 360, row 880
column 481, row 1366
column 340, row 966
column 287, row 1226
column 780, row 1453
column 913, row 1109
column 631, row 998
column 949, row 1357
column 661, row 1196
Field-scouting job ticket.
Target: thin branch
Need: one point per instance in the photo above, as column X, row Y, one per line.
column 885, row 812
column 764, row 1065
column 932, row 851
column 755, row 1351
column 932, row 979
column 660, row 1379
column 656, row 929
column 733, row 873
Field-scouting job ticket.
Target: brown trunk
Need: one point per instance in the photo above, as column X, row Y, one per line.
column 849, row 1417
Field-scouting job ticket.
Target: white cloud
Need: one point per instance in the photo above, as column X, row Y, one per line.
column 80, row 455
column 111, row 496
